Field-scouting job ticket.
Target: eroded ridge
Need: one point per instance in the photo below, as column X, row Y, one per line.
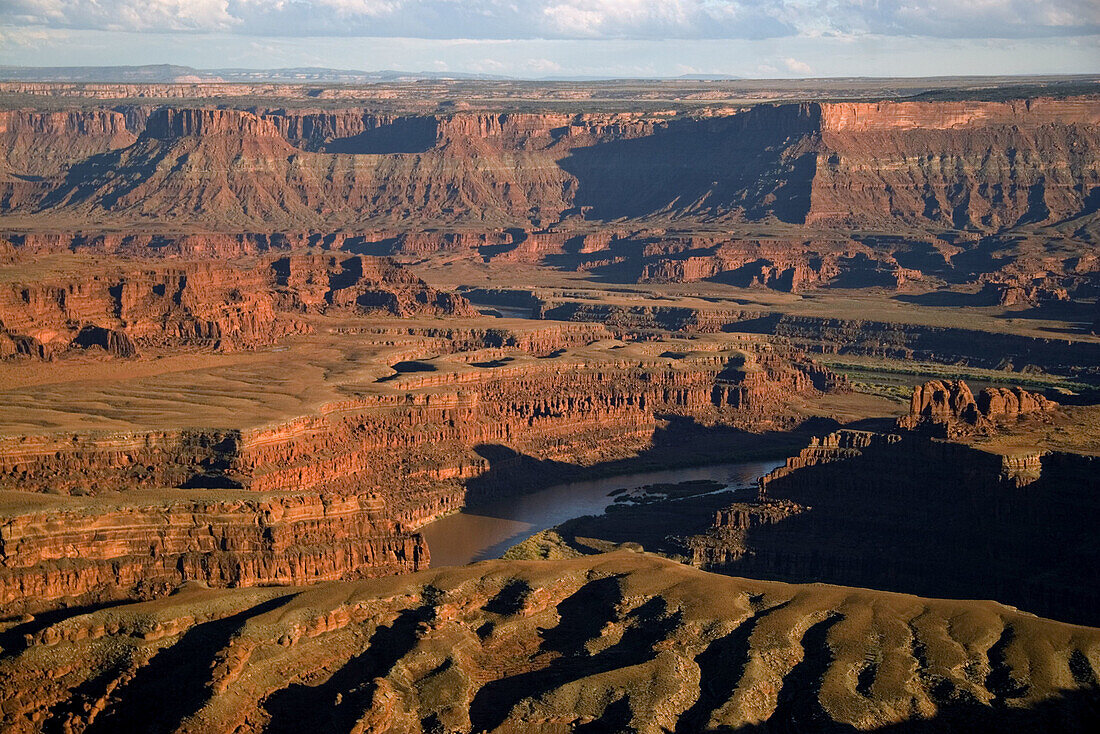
column 624, row 641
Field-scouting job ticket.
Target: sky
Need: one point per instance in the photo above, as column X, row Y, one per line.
column 548, row 38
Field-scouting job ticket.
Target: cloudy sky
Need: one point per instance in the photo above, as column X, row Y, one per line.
column 536, row 38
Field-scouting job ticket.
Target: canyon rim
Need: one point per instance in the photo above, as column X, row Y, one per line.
column 542, row 397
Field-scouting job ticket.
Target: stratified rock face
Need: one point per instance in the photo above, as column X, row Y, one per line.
column 37, row 149
column 362, row 285
column 967, row 165
column 923, row 516
column 949, row 406
column 334, row 495
column 216, row 306
column 429, row 427
column 822, row 334
column 140, row 550
column 980, row 165
column 619, row 642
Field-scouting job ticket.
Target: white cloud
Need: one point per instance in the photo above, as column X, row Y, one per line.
column 580, row 19
column 542, row 66
column 829, row 55
column 797, row 67
column 130, row 15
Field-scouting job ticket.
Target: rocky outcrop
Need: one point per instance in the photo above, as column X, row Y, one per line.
column 94, row 553
column 201, row 304
column 617, row 642
column 924, row 516
column 362, row 285
column 949, row 406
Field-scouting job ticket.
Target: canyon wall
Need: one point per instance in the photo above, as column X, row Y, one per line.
column 202, row 304
column 546, row 408
column 969, row 165
column 339, row 493
column 925, row 516
column 959, row 164
column 96, row 554
column 825, row 335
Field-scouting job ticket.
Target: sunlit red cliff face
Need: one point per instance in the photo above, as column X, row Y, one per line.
column 206, row 305
column 337, row 494
column 979, row 165
column 850, row 195
column 983, row 166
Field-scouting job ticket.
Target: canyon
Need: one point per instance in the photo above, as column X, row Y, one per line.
column 436, row 432
column 256, row 337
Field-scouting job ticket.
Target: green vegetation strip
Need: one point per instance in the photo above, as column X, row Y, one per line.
column 924, row 369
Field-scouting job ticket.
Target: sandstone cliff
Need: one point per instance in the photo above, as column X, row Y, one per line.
column 202, row 304
column 961, row 164
column 94, row 553
column 969, row 165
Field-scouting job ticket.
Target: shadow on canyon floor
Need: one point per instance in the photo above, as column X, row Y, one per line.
column 172, row 686
column 682, row 442
column 13, row 640
column 1075, row 711
column 340, row 701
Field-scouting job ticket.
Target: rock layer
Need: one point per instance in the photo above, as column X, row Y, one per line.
column 95, row 554
column 980, row 165
column 437, row 439
column 202, row 304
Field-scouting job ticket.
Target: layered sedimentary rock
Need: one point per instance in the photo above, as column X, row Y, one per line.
column 37, row 149
column 1010, row 269
column 983, row 165
column 963, row 180
column 443, row 432
column 202, row 304
column 620, row 642
column 95, row 553
column 979, row 165
column 925, row 516
column 530, row 405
